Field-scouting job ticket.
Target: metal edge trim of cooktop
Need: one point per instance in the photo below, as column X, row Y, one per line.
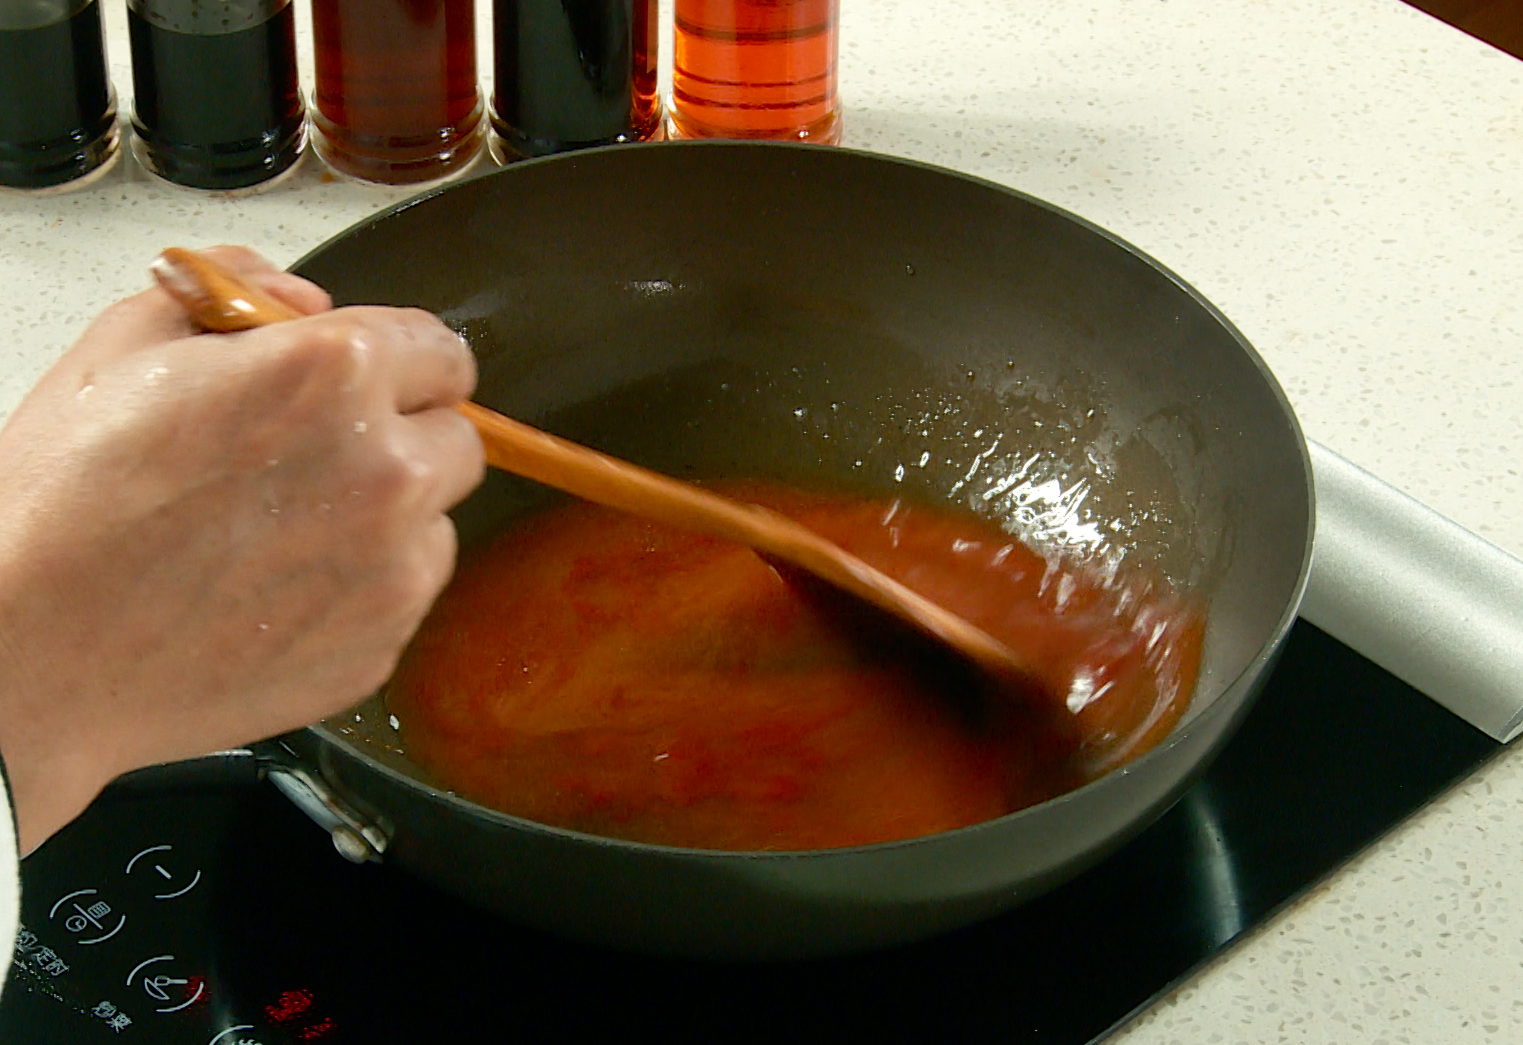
column 1432, row 603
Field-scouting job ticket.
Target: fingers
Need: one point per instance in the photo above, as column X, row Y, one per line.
column 153, row 317
column 367, row 361
column 379, row 382
column 447, row 447
column 427, row 364
column 435, row 552
column 303, row 295
column 391, row 621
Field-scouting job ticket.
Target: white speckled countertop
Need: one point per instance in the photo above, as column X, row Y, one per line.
column 1343, row 178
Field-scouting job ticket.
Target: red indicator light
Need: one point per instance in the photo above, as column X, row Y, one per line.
column 317, row 1030
column 290, row 1005
column 295, row 1008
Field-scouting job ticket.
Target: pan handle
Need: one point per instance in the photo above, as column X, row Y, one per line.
column 358, row 836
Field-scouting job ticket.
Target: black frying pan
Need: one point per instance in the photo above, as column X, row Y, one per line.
column 834, row 318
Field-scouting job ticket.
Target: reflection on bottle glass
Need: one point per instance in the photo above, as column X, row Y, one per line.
column 756, row 69
column 57, row 109
column 216, row 102
column 397, row 98
column 573, row 73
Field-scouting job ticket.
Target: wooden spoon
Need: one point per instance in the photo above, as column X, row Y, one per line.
column 217, row 300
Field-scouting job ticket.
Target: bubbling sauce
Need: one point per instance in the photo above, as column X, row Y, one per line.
column 595, row 671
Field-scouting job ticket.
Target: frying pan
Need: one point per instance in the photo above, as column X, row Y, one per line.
column 832, row 319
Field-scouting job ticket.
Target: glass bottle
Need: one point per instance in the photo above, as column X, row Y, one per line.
column 573, row 73
column 57, row 108
column 216, row 100
column 756, row 69
column 397, row 97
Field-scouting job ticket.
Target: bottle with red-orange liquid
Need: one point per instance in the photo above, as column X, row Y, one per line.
column 397, row 96
column 756, row 69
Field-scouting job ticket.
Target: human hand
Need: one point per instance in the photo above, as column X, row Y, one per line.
column 207, row 539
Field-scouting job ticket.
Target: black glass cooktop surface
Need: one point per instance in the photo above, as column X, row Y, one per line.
column 213, row 913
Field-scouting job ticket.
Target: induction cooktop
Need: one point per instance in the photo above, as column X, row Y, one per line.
column 208, row 911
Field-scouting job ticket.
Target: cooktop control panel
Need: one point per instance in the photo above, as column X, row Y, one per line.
column 121, row 922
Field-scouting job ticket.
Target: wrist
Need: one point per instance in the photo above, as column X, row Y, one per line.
column 52, row 768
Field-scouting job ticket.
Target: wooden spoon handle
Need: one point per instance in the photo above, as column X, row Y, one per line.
column 534, row 454
column 218, row 301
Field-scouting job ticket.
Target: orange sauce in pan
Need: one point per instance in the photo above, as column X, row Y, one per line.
column 599, row 672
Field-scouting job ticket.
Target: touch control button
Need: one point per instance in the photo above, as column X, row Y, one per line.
column 155, row 865
column 89, row 916
column 161, row 985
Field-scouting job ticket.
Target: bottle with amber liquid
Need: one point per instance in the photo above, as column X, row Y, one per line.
column 569, row 74
column 397, row 98
column 756, row 69
column 57, row 109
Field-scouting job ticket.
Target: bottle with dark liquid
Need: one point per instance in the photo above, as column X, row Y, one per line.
column 756, row 69
column 573, row 73
column 217, row 105
column 397, row 97
column 57, row 109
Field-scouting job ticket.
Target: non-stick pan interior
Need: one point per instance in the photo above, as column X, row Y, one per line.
column 836, row 319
